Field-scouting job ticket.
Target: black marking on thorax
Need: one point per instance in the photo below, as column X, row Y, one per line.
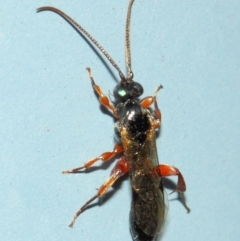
column 135, row 119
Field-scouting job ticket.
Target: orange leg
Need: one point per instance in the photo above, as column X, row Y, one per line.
column 102, row 97
column 104, row 157
column 120, row 169
column 168, row 170
column 148, row 101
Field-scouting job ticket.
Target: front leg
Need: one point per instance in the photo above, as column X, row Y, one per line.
column 148, row 101
column 102, row 97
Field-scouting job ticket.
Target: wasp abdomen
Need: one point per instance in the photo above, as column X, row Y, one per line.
column 147, row 207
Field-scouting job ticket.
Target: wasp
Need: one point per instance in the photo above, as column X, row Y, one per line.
column 135, row 127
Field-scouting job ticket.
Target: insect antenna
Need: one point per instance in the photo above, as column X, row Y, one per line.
column 127, row 42
column 82, row 30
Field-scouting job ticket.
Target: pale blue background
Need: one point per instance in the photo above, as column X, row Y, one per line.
column 50, row 119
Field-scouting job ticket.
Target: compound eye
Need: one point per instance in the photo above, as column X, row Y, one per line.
column 135, row 90
column 121, row 93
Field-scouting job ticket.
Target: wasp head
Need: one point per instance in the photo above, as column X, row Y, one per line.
column 127, row 90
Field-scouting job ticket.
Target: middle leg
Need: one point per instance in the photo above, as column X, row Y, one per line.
column 104, row 157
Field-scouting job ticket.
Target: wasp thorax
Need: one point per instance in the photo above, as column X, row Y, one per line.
column 129, row 109
column 127, row 90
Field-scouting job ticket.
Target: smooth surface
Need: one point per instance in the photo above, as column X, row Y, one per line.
column 50, row 119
